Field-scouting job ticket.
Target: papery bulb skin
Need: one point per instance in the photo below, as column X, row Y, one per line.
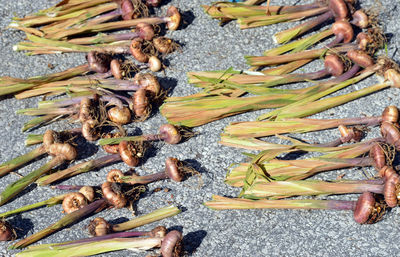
column 391, row 190
column 154, row 64
column 338, row 8
column 159, row 231
column 119, row 115
column 391, row 134
column 137, row 51
column 114, row 175
column 128, row 10
column 172, row 244
column 350, row 134
column 65, row 151
column 363, row 40
column 386, row 172
column 128, row 153
column 85, row 109
column 174, row 18
column 170, row 134
column 99, row 227
column 343, row 29
column 390, row 114
column 98, row 62
column 88, row 192
column 115, row 67
column 364, row 208
column 164, row 45
column 73, row 202
column 89, row 130
column 117, row 200
column 360, row 19
column 141, row 103
column 145, row 31
column 172, row 169
column 49, row 138
column 149, row 82
column 334, row 65
column 361, row 58
column 153, row 3
column 378, row 156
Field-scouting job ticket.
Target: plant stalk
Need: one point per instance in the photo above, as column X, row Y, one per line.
column 225, row 203
column 78, row 169
column 17, row 162
column 49, row 202
column 283, row 189
column 16, row 187
column 156, row 215
column 67, row 220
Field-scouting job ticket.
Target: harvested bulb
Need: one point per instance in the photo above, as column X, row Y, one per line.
column 6, row 231
column 99, row 227
column 164, row 45
column 73, row 202
column 129, row 153
column 88, row 192
column 119, row 115
column 141, row 105
column 391, row 190
column 98, row 62
column 367, row 210
column 172, row 244
column 116, row 199
column 391, row 134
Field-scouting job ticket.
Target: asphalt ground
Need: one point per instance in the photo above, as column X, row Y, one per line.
column 205, row 46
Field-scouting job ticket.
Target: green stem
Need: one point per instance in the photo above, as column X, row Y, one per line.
column 225, row 203
column 265, row 20
column 29, row 83
column 78, row 169
column 255, row 129
column 233, row 11
column 315, row 96
column 38, row 121
column 102, row 38
column 208, row 109
column 299, row 45
column 106, row 26
column 14, row 188
column 281, row 170
column 117, row 140
column 325, row 104
column 93, row 248
column 289, row 34
column 49, row 111
column 157, row 215
column 53, row 14
column 68, row 19
column 9, row 166
column 309, row 54
column 62, row 45
column 33, row 139
column 49, row 202
column 81, row 6
column 282, row 189
column 80, row 19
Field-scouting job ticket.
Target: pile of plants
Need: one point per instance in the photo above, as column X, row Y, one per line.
column 350, row 49
column 115, row 87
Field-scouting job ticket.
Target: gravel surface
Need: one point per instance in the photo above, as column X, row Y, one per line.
column 206, row 46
